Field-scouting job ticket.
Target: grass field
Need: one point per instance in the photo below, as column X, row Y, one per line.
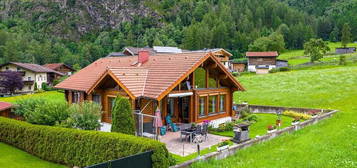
column 296, row 57
column 15, row 158
column 330, row 143
column 51, row 96
column 260, row 127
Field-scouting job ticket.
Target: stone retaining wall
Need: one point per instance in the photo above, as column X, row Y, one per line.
column 270, row 109
column 275, row 109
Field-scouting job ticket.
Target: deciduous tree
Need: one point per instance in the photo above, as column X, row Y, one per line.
column 10, row 81
column 316, row 49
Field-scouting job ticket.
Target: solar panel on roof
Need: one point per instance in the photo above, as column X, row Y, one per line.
column 160, row 49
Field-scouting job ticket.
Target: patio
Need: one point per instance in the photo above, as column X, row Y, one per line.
column 183, row 148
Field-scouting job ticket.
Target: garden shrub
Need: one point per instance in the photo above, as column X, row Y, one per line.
column 122, row 117
column 283, row 69
column 245, row 113
column 85, row 115
column 49, row 113
column 46, row 87
column 228, row 126
column 25, row 106
column 73, row 147
column 342, row 60
column 296, row 114
column 274, row 70
column 252, row 118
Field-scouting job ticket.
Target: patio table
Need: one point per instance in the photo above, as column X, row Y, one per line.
column 188, row 132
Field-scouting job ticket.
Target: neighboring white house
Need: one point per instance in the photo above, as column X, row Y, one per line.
column 32, row 74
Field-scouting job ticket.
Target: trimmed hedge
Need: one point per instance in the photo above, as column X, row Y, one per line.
column 74, row 147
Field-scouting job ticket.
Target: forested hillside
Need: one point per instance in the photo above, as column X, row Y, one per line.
column 81, row 31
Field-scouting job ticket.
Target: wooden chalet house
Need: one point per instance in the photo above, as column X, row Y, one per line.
column 191, row 87
column 261, row 62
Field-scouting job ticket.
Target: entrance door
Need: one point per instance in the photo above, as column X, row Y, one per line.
column 110, row 107
column 184, row 107
column 179, row 109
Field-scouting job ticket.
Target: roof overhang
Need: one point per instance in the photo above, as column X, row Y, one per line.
column 108, row 72
column 203, row 59
column 224, row 52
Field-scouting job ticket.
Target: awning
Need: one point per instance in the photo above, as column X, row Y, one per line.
column 181, row 94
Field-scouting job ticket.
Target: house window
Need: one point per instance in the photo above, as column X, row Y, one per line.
column 7, row 68
column 75, row 97
column 97, row 99
column 212, row 106
column 212, row 83
column 29, row 78
column 30, row 87
column 222, row 103
column 18, row 69
column 200, row 77
column 202, row 106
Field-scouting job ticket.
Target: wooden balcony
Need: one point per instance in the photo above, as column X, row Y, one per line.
column 28, row 82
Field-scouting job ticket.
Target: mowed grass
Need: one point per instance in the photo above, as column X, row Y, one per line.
column 296, row 57
column 16, row 158
column 12, row 157
column 330, row 143
column 50, row 96
column 261, row 126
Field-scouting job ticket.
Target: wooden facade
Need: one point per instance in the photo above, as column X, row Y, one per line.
column 262, row 60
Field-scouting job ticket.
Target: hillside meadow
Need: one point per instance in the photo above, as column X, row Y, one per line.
column 330, row 143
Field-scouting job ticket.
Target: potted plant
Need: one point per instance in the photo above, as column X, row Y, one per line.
column 223, row 145
column 296, row 120
column 278, row 122
column 313, row 113
column 271, row 128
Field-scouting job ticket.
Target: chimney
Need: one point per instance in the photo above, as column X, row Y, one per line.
column 143, row 56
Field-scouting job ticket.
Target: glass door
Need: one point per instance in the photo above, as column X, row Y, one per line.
column 110, row 108
column 184, row 108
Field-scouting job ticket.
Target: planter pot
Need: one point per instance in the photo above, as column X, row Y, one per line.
column 295, row 123
column 222, row 148
column 271, row 131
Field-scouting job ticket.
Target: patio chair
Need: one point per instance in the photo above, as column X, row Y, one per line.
column 198, row 131
column 205, row 131
column 170, row 124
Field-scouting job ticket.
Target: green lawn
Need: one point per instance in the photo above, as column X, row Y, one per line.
column 51, row 96
column 260, row 127
column 15, row 158
column 296, row 57
column 330, row 143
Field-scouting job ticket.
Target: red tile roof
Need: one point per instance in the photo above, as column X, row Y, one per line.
column 5, row 106
column 151, row 79
column 55, row 66
column 262, row 54
column 33, row 67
